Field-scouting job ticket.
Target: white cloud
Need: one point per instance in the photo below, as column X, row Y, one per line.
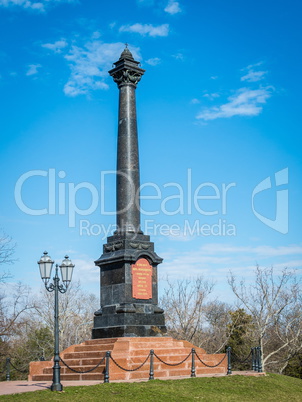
column 33, row 69
column 90, row 64
column 211, row 96
column 57, row 46
column 146, row 29
column 216, row 260
column 33, row 5
column 173, row 7
column 195, row 101
column 263, row 251
column 253, row 76
column 147, row 3
column 178, row 56
column 245, row 102
column 153, row 61
column 96, row 35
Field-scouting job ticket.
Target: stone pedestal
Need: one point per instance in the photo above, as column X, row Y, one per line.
column 129, row 304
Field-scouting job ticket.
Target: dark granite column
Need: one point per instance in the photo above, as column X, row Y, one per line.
column 127, row 186
column 129, row 291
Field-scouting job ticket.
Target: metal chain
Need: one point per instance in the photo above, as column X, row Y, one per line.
column 172, row 364
column 207, row 365
column 20, row 371
column 83, row 372
column 241, row 361
column 122, row 368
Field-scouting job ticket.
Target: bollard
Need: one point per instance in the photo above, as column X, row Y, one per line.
column 193, row 371
column 256, row 359
column 229, row 350
column 253, row 359
column 151, row 372
column 106, row 376
column 260, row 360
column 7, row 365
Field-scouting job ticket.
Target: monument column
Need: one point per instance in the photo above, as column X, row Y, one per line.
column 128, row 265
column 127, row 74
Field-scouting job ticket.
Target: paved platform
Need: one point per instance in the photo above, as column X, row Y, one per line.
column 16, row 387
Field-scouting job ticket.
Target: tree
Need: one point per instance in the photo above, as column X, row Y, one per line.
column 31, row 342
column 274, row 302
column 242, row 337
column 7, row 249
column 215, row 332
column 184, row 304
column 76, row 310
column 14, row 302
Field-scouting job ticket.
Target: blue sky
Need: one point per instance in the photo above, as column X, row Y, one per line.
column 218, row 116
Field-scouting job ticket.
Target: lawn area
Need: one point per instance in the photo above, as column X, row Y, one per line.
column 273, row 387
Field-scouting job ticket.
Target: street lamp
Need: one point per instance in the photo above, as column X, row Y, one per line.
column 45, row 265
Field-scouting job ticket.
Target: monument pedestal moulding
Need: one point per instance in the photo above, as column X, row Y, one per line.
column 129, row 323
column 128, row 265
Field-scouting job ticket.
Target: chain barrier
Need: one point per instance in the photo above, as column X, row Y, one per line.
column 20, row 371
column 83, row 372
column 207, row 365
column 241, row 361
column 135, row 369
column 172, row 364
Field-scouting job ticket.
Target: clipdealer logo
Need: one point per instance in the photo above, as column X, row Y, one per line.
column 207, row 199
column 280, row 223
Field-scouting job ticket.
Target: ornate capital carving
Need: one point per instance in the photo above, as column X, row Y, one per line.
column 126, row 77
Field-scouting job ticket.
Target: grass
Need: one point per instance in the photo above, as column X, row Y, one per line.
column 273, row 387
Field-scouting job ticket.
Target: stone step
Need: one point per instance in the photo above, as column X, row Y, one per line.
column 161, row 351
column 155, row 345
column 71, row 377
column 83, row 355
column 89, row 348
column 129, row 353
column 110, row 341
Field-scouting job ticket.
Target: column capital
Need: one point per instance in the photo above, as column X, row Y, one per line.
column 126, row 70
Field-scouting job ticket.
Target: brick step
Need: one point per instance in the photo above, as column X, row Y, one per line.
column 122, row 375
column 110, row 341
column 89, row 348
column 83, row 355
column 156, row 345
column 135, row 359
column 161, row 366
column 82, row 362
column 71, row 377
column 66, row 370
column 129, row 353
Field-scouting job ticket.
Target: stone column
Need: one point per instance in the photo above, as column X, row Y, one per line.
column 128, row 265
column 127, row 74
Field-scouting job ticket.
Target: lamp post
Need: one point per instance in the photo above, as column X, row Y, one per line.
column 45, row 265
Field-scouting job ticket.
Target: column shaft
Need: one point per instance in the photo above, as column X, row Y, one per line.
column 127, row 182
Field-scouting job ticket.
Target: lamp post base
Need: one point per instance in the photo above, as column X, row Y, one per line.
column 56, row 387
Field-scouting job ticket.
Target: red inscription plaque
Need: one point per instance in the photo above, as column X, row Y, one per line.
column 141, row 279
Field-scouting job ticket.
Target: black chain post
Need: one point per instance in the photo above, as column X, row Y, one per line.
column 229, row 351
column 193, row 372
column 260, row 360
column 256, row 359
column 7, row 365
column 106, row 376
column 253, row 358
column 151, row 372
